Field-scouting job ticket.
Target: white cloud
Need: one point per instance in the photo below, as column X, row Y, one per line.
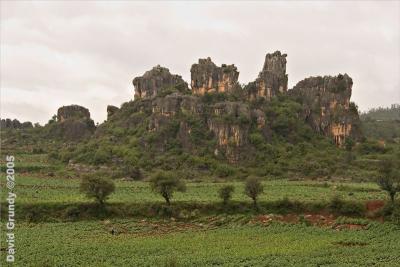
column 59, row 53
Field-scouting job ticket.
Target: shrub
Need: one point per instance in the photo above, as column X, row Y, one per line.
column 389, row 180
column 97, row 187
column 225, row 193
column 224, row 170
column 165, row 184
column 133, row 172
column 253, row 188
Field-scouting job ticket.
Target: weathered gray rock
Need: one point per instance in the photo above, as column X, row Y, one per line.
column 73, row 123
column 272, row 80
column 327, row 106
column 206, row 77
column 111, row 110
column 230, row 123
column 155, row 80
column 72, row 112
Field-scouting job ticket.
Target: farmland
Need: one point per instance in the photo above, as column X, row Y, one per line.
column 199, row 244
column 199, row 231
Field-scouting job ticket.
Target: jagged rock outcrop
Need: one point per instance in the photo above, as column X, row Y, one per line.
column 271, row 80
column 163, row 109
column 14, row 124
column 73, row 123
column 111, row 110
column 155, row 80
column 327, row 106
column 230, row 123
column 72, row 112
column 206, row 77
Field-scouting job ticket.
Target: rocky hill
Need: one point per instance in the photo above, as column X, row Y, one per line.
column 217, row 124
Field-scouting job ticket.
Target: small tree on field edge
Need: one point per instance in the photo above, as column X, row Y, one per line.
column 225, row 193
column 253, row 188
column 97, row 187
column 165, row 184
column 389, row 179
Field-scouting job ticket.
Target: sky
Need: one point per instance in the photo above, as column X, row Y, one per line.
column 56, row 53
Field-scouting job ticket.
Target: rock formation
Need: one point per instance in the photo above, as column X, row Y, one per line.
column 271, row 80
column 72, row 112
column 327, row 107
column 230, row 123
column 111, row 110
column 73, row 123
column 156, row 80
column 207, row 77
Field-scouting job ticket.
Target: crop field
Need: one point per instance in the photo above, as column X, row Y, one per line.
column 143, row 243
column 33, row 189
column 204, row 240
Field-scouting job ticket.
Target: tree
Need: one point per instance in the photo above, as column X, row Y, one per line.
column 389, row 180
column 253, row 188
column 225, row 193
column 165, row 184
column 97, row 187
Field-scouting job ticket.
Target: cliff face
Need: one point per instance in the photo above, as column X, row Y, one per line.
column 327, row 106
column 272, row 80
column 155, row 80
column 208, row 78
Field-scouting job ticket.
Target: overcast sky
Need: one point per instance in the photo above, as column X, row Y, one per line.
column 87, row 53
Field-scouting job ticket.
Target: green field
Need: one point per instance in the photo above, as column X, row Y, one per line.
column 277, row 244
column 31, row 189
column 239, row 238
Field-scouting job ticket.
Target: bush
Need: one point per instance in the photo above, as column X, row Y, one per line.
column 97, row 187
column 224, row 170
column 253, row 188
column 166, row 183
column 389, row 180
column 225, row 193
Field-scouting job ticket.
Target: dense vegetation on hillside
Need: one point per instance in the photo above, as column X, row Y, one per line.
column 382, row 123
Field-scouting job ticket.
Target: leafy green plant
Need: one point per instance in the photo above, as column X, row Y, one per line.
column 165, row 184
column 97, row 187
column 225, row 193
column 253, row 188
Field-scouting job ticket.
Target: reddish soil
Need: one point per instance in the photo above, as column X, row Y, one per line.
column 375, row 205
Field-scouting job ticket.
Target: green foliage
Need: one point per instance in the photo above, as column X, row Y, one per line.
column 256, row 139
column 382, row 114
column 253, row 188
column 165, row 184
column 389, row 179
column 225, row 193
column 97, row 187
column 382, row 123
column 224, row 170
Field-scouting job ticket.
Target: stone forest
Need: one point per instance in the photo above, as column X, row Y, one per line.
column 209, row 173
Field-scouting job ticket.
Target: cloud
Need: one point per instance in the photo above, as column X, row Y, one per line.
column 86, row 52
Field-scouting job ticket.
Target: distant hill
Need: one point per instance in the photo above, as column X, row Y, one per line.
column 382, row 123
column 382, row 114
